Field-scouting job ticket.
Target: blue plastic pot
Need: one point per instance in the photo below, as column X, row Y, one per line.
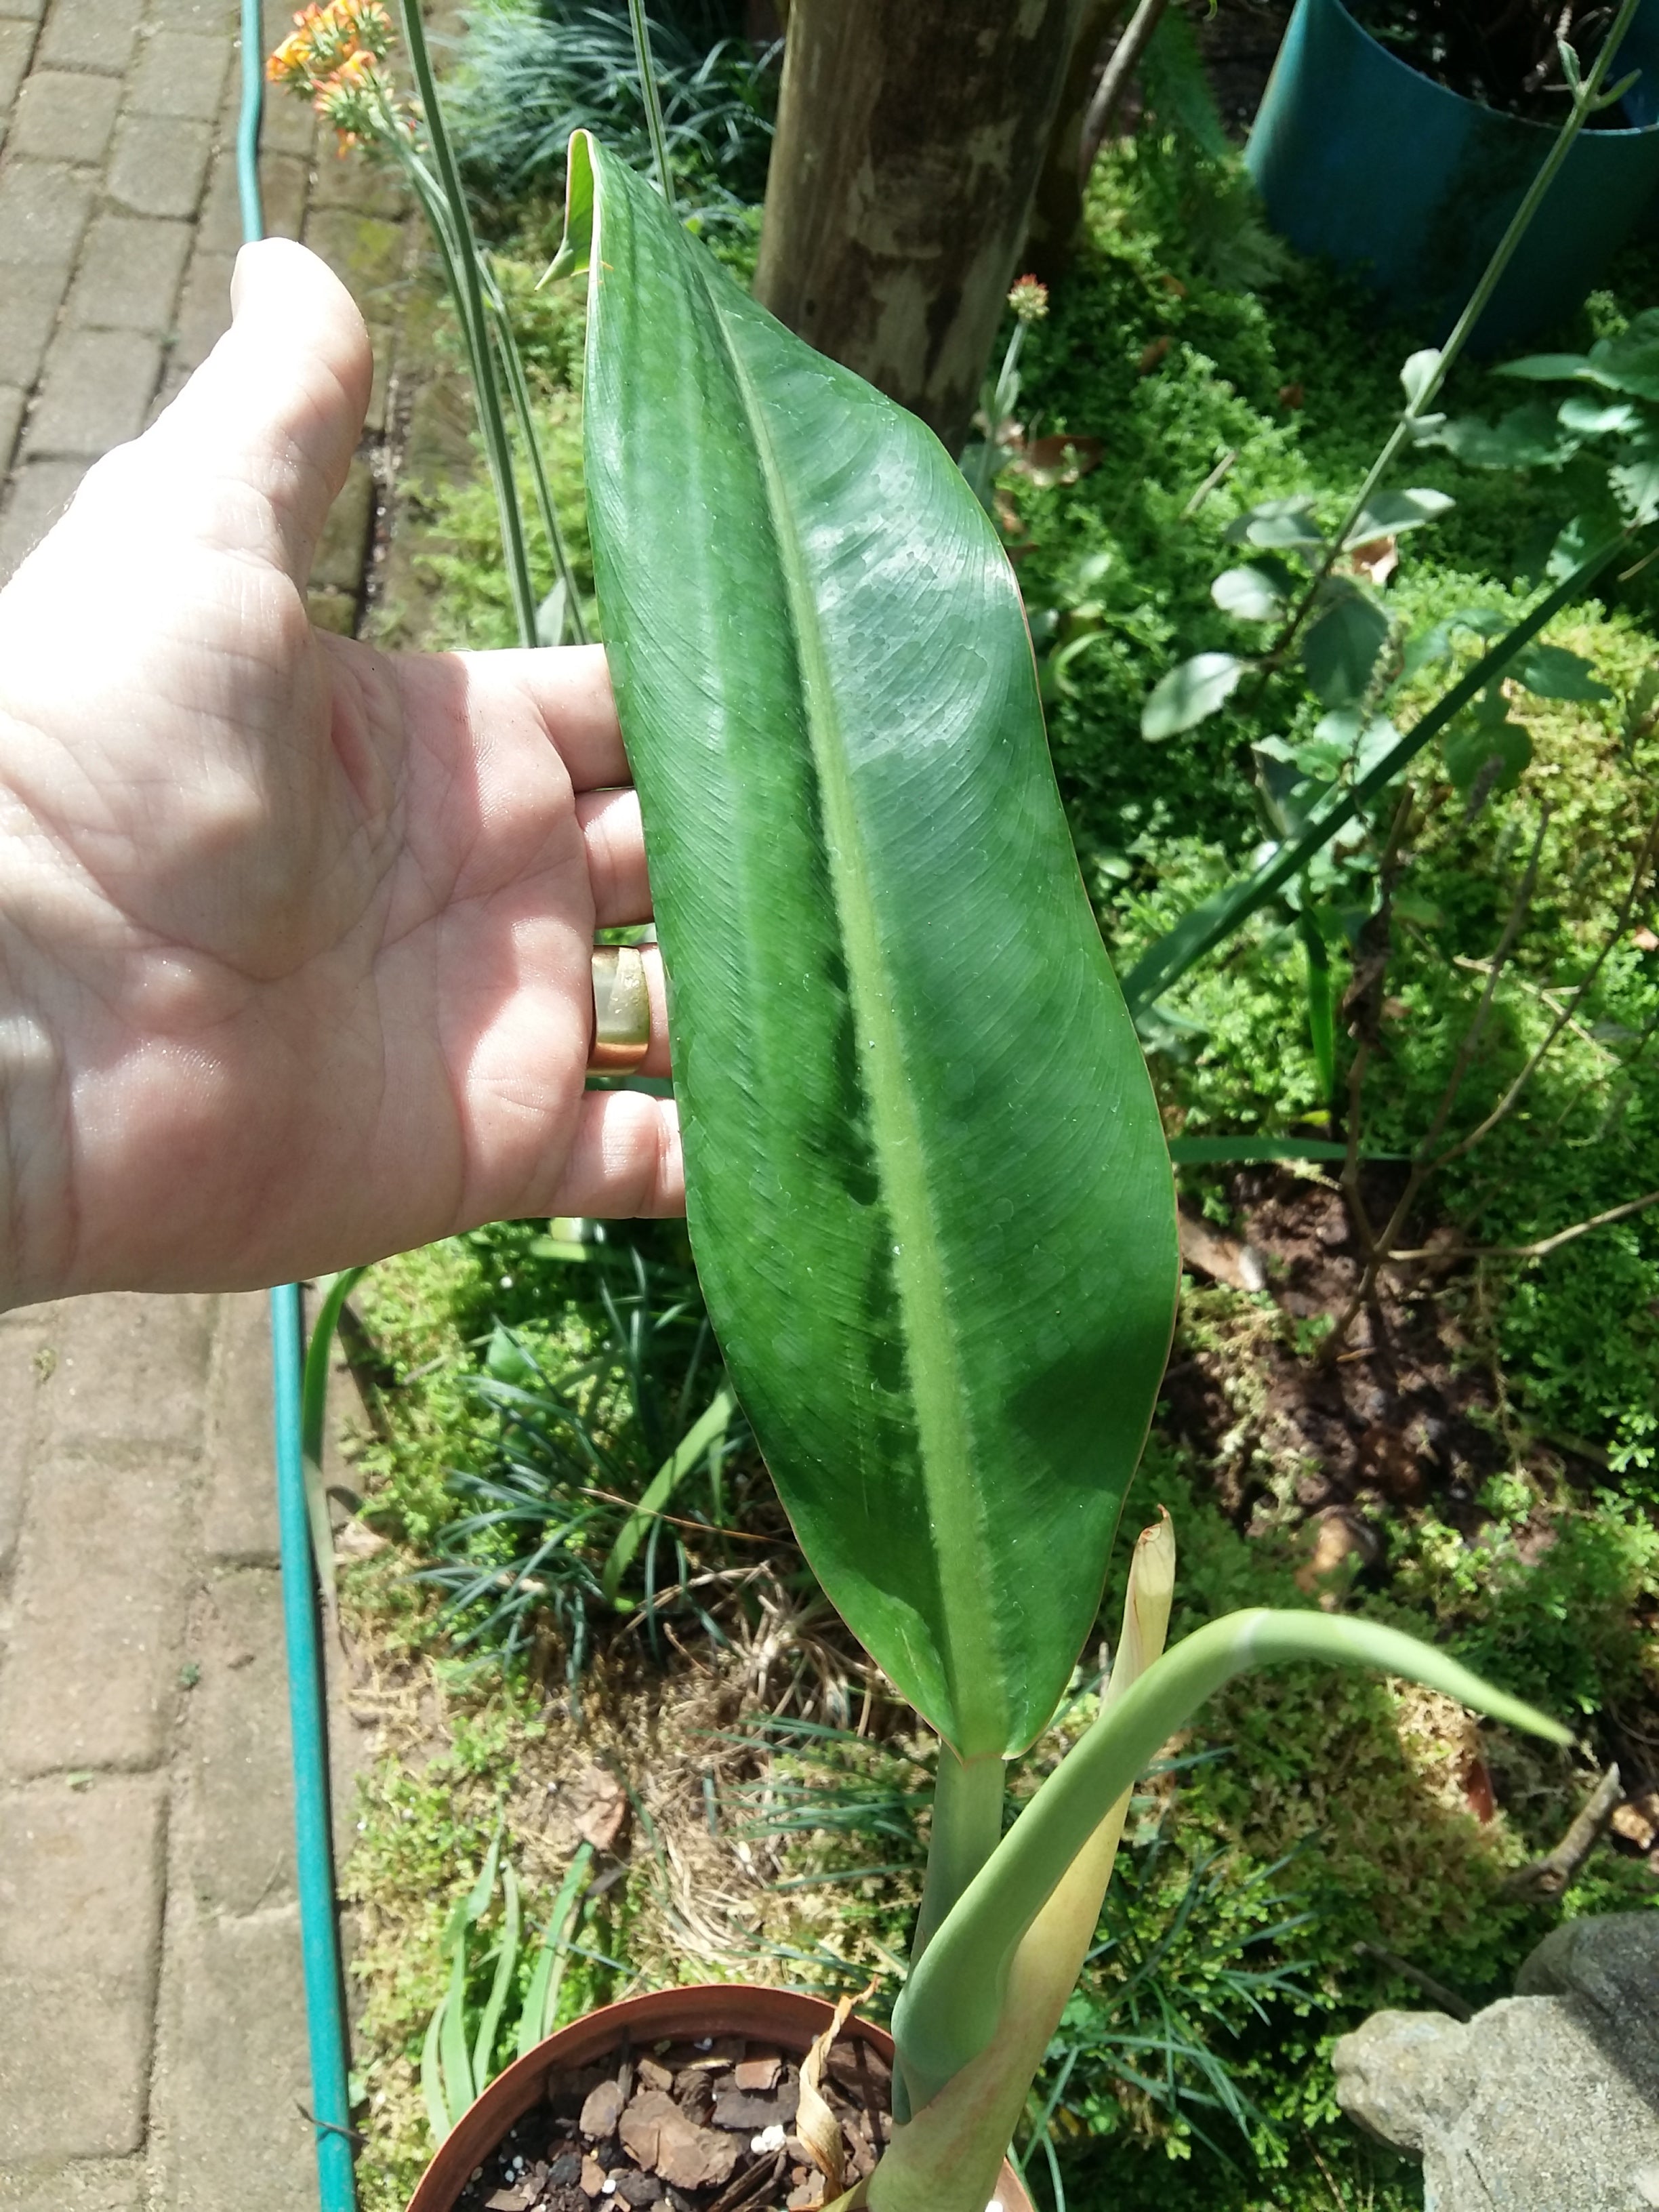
column 1360, row 157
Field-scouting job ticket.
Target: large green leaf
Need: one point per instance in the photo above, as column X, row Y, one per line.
column 927, row 1190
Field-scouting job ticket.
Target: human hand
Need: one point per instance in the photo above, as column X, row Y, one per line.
column 294, row 935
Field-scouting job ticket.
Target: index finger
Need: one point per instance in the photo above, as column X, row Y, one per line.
column 568, row 687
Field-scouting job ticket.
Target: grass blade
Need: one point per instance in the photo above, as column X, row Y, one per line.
column 541, row 2003
column 704, row 1436
column 483, row 2049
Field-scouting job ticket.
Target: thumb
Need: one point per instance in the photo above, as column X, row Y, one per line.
column 277, row 407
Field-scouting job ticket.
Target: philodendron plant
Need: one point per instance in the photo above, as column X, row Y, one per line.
column 928, row 1192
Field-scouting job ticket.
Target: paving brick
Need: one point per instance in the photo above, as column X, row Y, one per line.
column 179, row 73
column 22, row 11
column 128, row 278
column 29, row 300
column 343, row 544
column 40, row 490
column 131, row 1371
column 66, row 116
column 159, row 163
column 365, row 187
column 81, row 1875
column 290, row 123
column 234, row 2074
column 204, row 17
column 16, row 45
column 364, row 252
column 12, row 402
column 96, row 390
column 238, row 1508
column 43, row 212
column 89, row 35
column 76, row 2185
column 287, row 186
column 21, row 1343
column 203, row 314
column 231, row 1839
column 97, row 1628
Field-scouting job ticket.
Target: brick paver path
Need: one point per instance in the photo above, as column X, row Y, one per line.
column 152, row 2044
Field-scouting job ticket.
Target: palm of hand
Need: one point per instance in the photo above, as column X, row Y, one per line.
column 294, row 936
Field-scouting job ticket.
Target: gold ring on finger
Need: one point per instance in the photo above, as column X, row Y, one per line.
column 621, row 1010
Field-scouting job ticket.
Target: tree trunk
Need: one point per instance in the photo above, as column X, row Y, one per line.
column 910, row 135
column 1057, row 209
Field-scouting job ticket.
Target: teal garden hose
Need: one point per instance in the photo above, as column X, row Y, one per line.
column 307, row 1700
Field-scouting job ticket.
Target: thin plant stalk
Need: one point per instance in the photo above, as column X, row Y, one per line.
column 430, row 194
column 517, row 392
column 333, row 1292
column 463, row 265
column 641, row 30
column 1423, row 393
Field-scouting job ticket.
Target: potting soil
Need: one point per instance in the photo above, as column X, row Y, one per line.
column 688, row 2127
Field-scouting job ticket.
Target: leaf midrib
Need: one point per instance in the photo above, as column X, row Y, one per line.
column 944, row 1433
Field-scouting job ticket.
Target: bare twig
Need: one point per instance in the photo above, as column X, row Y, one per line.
column 1545, row 1245
column 1364, row 998
column 1125, row 59
column 1448, row 2000
column 1215, row 476
column 1558, row 1869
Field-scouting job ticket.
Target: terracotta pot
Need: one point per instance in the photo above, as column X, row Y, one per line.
column 780, row 2017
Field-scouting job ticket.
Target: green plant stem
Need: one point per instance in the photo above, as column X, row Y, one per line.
column 950, row 2005
column 519, row 393
column 968, row 1796
column 1166, row 961
column 460, row 253
column 429, row 192
column 705, row 1436
column 333, row 1292
column 648, row 92
column 1420, row 403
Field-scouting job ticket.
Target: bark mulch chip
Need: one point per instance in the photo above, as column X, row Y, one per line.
column 685, row 2128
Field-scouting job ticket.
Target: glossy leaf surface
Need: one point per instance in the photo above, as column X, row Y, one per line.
column 928, row 1194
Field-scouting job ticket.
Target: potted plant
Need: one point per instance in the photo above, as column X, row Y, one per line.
column 1399, row 137
column 928, row 1189
column 928, row 1193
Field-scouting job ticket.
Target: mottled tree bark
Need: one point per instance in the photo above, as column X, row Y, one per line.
column 910, row 137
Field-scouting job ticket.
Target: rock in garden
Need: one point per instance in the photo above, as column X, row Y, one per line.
column 758, row 2074
column 592, row 2178
column 566, row 2169
column 638, row 2189
column 660, row 2137
column 602, row 2111
column 1547, row 2101
column 652, row 2076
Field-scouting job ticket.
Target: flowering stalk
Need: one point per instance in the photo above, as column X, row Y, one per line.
column 1029, row 298
column 336, row 56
